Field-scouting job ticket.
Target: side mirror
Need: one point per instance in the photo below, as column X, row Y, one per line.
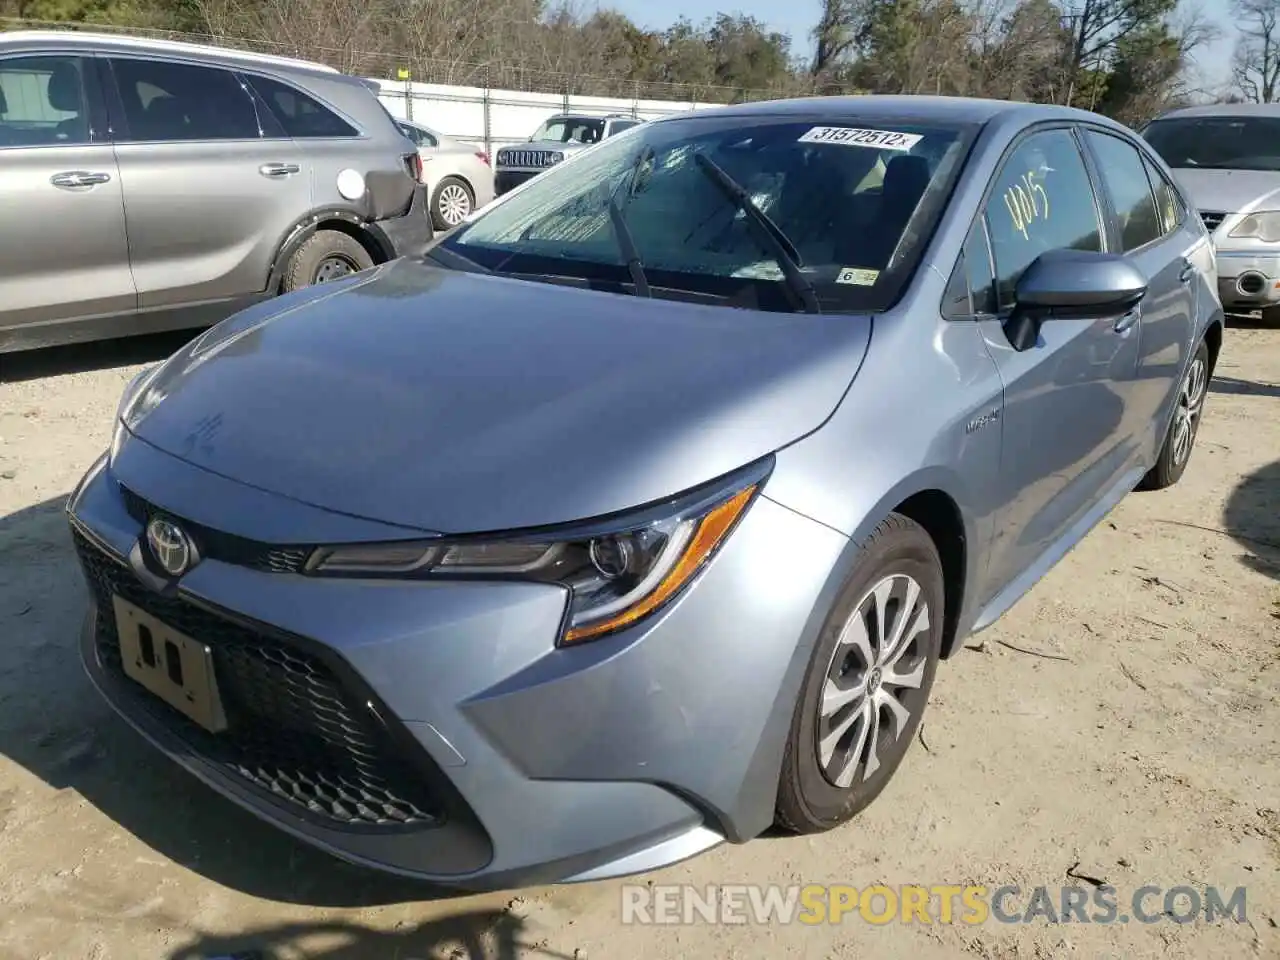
column 1065, row 284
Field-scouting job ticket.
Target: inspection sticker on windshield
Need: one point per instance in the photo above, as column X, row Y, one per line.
column 855, row 137
column 858, row 277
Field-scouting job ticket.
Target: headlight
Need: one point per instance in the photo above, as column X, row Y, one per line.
column 557, row 157
column 617, row 572
column 135, row 403
column 1263, row 226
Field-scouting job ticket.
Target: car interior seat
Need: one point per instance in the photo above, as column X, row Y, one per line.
column 64, row 93
column 906, row 177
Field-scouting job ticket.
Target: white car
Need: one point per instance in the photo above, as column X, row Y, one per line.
column 457, row 175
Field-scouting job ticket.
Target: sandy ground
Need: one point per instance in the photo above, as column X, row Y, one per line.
column 1136, row 744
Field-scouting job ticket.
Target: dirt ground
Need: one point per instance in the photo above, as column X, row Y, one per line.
column 1119, row 724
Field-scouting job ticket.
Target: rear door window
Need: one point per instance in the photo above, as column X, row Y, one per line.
column 166, row 101
column 1125, row 176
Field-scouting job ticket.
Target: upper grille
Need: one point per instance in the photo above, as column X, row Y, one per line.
column 293, row 728
column 227, row 547
column 528, row 158
column 1212, row 219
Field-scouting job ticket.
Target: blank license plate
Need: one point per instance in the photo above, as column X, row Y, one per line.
column 173, row 666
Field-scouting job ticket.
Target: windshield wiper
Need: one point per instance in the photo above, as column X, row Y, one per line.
column 627, row 246
column 771, row 235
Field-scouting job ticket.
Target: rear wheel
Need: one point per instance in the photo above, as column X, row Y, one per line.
column 326, row 255
column 1175, row 454
column 868, row 681
column 452, row 203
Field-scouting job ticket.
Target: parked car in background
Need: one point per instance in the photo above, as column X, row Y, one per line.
column 152, row 185
column 458, row 177
column 559, row 136
column 638, row 514
column 1227, row 158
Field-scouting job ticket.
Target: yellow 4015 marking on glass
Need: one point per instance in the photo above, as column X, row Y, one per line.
column 1027, row 202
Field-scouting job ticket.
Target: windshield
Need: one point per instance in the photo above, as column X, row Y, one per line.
column 570, row 130
column 855, row 202
column 1220, row 143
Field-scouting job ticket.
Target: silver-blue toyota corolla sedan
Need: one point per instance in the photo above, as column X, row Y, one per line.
column 639, row 514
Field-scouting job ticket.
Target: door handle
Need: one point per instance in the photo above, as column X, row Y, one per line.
column 1128, row 320
column 277, row 170
column 78, row 178
column 1188, row 271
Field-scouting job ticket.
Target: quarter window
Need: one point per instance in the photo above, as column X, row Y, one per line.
column 1168, row 203
column 1126, row 179
column 42, row 102
column 178, row 101
column 301, row 116
column 1042, row 200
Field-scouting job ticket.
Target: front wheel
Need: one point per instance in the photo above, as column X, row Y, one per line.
column 868, row 682
column 1175, row 453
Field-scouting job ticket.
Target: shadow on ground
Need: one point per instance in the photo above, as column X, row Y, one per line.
column 53, row 723
column 478, row 935
column 1252, row 517
column 97, row 355
column 1243, row 388
column 1248, row 321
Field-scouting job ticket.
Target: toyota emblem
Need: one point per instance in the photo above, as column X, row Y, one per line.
column 170, row 546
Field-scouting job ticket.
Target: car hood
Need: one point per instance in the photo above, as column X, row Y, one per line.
column 456, row 402
column 1230, row 191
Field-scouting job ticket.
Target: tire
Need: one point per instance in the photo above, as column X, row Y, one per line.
column 1175, row 452
column 326, row 255
column 452, row 201
column 1271, row 317
column 898, row 552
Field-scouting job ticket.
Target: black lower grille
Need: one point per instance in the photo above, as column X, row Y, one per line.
column 505, row 180
column 1212, row 219
column 293, row 730
column 227, row 547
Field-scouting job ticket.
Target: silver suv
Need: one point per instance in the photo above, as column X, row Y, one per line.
column 559, row 136
column 152, row 185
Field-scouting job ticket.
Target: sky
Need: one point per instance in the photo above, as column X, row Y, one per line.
column 798, row 17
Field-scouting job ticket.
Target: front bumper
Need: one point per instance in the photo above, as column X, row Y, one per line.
column 504, row 181
column 1248, row 280
column 507, row 761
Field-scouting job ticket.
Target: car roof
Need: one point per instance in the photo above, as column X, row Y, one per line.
column 110, row 42
column 873, row 107
column 1224, row 110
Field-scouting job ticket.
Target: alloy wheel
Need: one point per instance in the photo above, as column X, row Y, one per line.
column 873, row 681
column 1186, row 418
column 454, row 203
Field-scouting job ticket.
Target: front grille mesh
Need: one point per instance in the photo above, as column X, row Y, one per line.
column 293, row 729
column 217, row 545
column 528, row 158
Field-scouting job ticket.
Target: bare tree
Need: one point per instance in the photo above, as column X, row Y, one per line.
column 1255, row 66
